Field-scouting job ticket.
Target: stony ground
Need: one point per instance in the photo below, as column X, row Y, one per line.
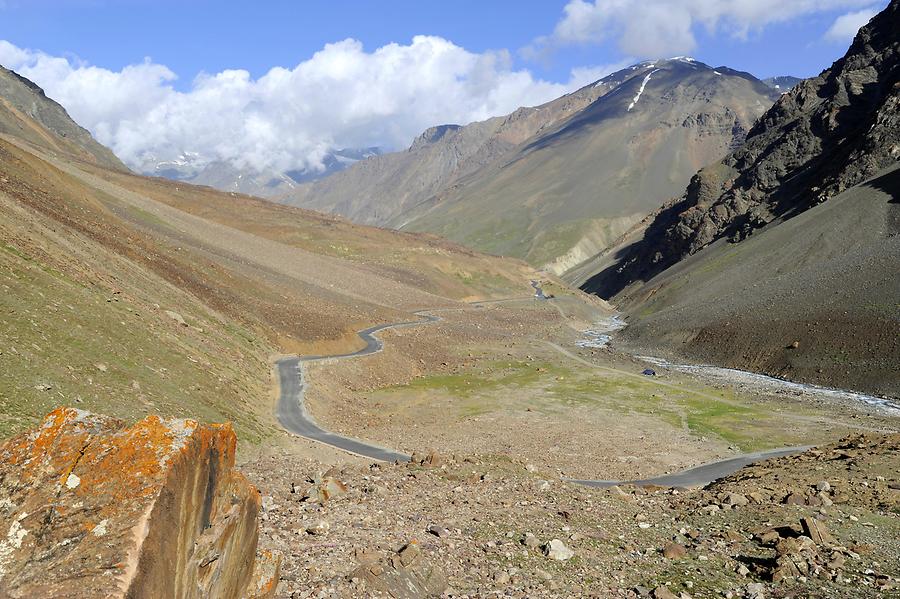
column 822, row 524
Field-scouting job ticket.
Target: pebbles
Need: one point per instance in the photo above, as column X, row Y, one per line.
column 487, row 529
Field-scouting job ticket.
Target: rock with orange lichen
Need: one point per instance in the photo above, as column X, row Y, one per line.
column 92, row 508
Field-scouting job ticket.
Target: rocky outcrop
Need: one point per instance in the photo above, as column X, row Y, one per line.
column 92, row 508
column 826, row 135
column 432, row 135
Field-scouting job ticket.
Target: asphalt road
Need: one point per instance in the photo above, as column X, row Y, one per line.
column 699, row 476
column 291, row 409
column 293, row 416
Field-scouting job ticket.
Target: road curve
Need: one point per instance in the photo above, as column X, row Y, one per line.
column 700, row 475
column 292, row 414
column 291, row 409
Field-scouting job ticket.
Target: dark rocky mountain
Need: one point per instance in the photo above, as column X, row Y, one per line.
column 827, row 134
column 23, row 105
column 556, row 183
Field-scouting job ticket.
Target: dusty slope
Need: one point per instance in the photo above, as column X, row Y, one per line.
column 128, row 295
column 827, row 279
column 84, row 322
column 424, row 262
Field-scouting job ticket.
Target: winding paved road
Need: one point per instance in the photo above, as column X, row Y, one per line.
column 291, row 409
column 292, row 414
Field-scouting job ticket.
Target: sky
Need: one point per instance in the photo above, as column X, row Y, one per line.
column 276, row 85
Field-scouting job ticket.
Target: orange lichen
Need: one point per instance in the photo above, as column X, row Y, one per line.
column 156, row 488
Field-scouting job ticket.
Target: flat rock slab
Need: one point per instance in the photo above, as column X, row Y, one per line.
column 92, row 508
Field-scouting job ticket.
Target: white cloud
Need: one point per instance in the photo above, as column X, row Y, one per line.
column 343, row 96
column 581, row 76
column 658, row 28
column 844, row 28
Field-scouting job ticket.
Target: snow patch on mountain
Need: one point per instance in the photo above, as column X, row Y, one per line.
column 641, row 89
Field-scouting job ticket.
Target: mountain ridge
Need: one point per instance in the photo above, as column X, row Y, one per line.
column 584, row 180
column 23, row 102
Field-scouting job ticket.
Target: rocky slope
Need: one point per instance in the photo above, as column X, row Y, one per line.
column 568, row 191
column 782, row 257
column 827, row 134
column 26, row 113
column 95, row 509
column 820, row 524
column 556, row 183
column 811, row 298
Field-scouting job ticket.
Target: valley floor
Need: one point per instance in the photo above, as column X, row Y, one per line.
column 507, row 404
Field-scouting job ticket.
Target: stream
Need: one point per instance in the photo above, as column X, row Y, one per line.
column 599, row 336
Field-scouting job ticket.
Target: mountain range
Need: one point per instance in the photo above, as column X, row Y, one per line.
column 417, row 418
column 556, row 183
column 191, row 167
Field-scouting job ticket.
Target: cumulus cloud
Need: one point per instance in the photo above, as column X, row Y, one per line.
column 844, row 28
column 656, row 28
column 343, row 96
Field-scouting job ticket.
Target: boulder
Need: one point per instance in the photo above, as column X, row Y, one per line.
column 178, row 318
column 662, row 592
column 558, row 551
column 817, row 531
column 94, row 508
column 329, row 488
column 736, row 499
column 404, row 574
column 438, row 531
column 319, row 528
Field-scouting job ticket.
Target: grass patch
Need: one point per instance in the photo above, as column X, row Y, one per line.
column 547, row 387
column 65, row 343
column 490, row 376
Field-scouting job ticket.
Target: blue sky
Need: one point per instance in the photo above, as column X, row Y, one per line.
column 190, row 36
column 155, row 78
